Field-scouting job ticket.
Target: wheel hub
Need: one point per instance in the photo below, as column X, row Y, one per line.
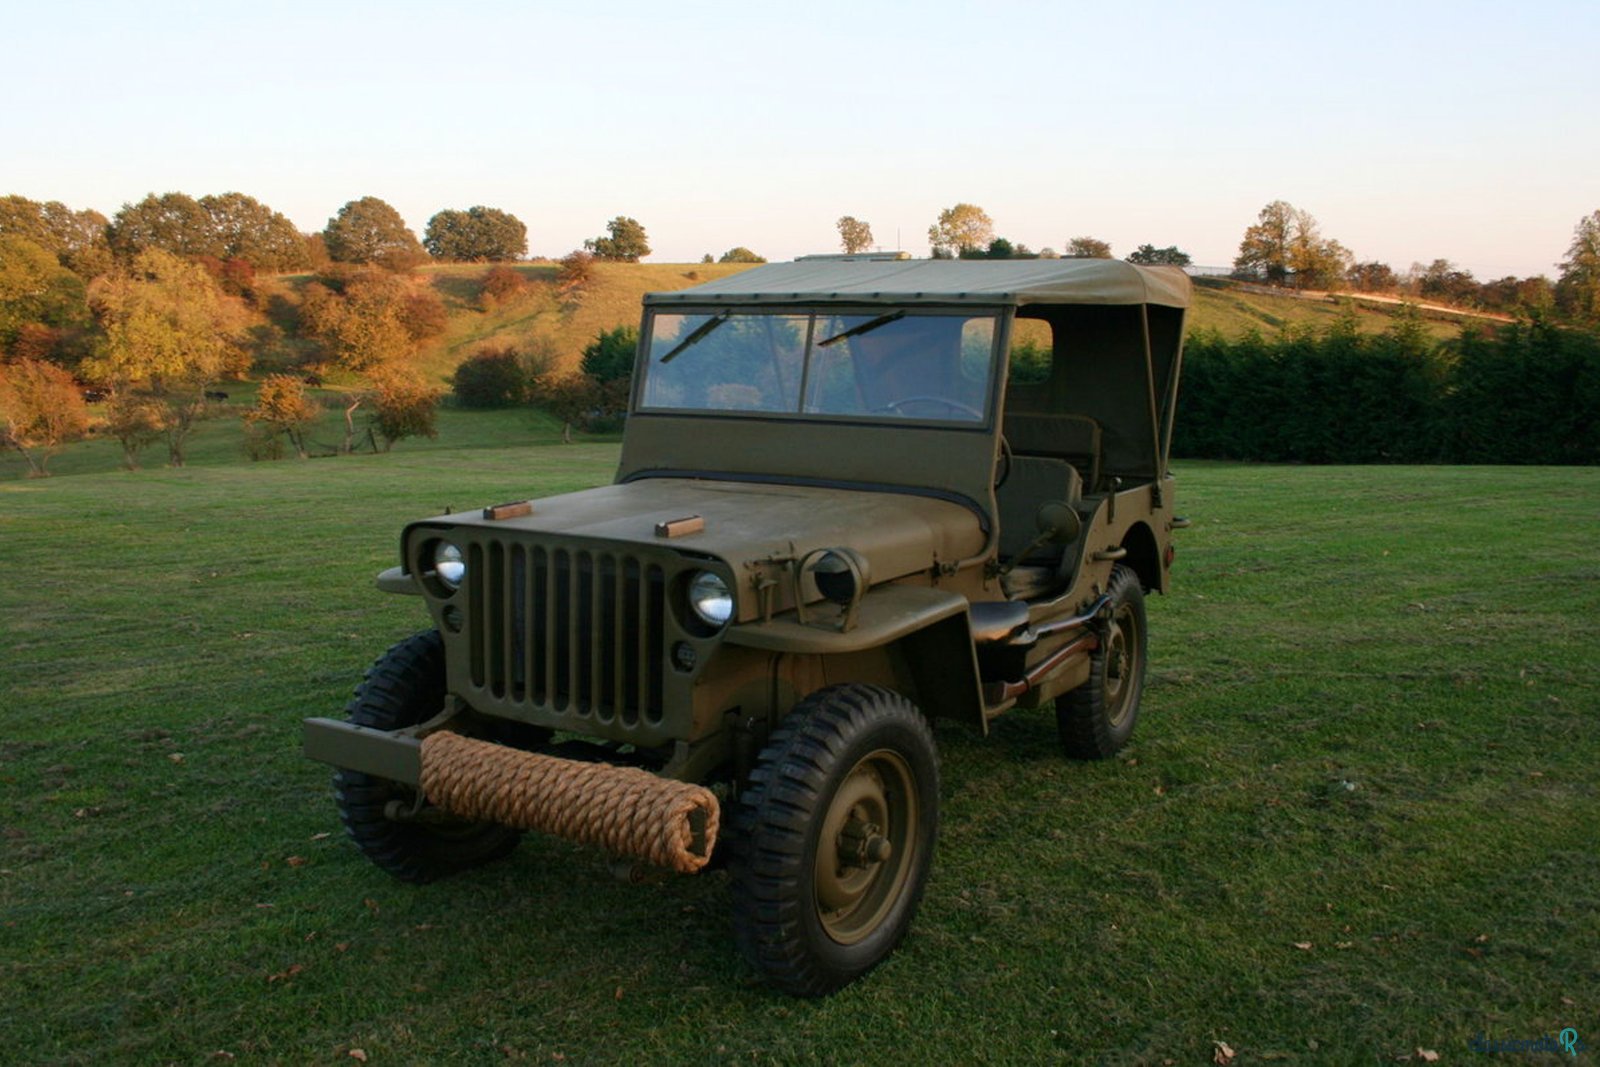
column 864, row 848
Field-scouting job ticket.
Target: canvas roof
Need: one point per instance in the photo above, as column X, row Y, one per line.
column 943, row 281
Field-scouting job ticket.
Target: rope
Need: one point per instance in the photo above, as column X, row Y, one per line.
column 625, row 810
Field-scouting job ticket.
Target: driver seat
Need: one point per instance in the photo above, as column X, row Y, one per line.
column 1034, row 480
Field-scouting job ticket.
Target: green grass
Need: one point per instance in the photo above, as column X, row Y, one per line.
column 1369, row 728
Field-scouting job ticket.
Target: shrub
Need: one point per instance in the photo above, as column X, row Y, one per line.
column 404, row 406
column 609, row 357
column 491, row 378
column 576, row 271
column 501, row 284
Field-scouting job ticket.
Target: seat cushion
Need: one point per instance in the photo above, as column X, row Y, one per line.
column 1030, row 583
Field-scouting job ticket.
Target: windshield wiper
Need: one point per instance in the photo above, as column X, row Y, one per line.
column 695, row 338
column 881, row 320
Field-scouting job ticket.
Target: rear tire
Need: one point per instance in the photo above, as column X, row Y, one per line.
column 834, row 837
column 1096, row 719
column 406, row 686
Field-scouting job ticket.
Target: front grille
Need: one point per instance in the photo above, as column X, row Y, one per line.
column 576, row 632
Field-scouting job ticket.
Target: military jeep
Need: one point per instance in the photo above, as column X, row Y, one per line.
column 841, row 512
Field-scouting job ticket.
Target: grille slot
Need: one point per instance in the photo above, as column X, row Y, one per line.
column 577, row 632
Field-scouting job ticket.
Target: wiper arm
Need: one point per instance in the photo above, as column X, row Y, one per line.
column 854, row 331
column 696, row 337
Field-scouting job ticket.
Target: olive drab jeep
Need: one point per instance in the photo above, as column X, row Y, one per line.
column 856, row 494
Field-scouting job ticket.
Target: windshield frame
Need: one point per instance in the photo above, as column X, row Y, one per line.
column 811, row 353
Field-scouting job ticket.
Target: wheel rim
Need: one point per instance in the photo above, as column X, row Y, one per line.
column 867, row 846
column 1122, row 663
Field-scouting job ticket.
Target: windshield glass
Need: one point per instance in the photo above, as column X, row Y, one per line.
column 925, row 366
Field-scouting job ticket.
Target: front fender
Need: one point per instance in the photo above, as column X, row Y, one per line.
column 924, row 631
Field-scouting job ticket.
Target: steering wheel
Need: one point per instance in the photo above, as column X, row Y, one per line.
column 953, row 405
column 1002, row 466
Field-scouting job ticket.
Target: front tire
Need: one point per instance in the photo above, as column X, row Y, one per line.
column 834, row 838
column 1096, row 719
column 406, row 686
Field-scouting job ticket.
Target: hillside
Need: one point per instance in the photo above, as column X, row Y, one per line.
column 539, row 318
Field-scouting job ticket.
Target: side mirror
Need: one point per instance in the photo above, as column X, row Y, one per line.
column 1057, row 522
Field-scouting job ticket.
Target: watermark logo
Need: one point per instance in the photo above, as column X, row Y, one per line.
column 1566, row 1041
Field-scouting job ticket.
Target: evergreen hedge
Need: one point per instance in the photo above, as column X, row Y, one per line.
column 1524, row 393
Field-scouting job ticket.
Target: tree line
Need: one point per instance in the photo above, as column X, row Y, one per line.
column 1285, row 247
column 150, row 309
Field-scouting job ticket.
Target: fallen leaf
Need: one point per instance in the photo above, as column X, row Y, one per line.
column 1568, row 1001
column 175, row 757
column 1481, row 938
column 618, row 994
column 296, row 861
column 372, row 905
column 1303, row 946
column 1161, row 790
column 1223, row 1055
column 283, row 976
column 359, row 1054
column 321, row 836
column 1427, row 1055
column 341, row 946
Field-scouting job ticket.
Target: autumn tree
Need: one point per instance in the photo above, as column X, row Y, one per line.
column 1442, row 280
column 41, row 409
column 370, row 318
column 1151, row 256
column 1372, row 277
column 1284, row 247
column 962, row 228
column 478, row 234
column 627, row 242
column 370, row 322
column 370, row 231
column 243, row 228
column 169, row 332
column 855, row 235
column 135, row 420
column 1087, row 248
column 403, row 406
column 76, row 238
column 170, row 222
column 741, row 254
column 282, row 406
column 36, row 292
column 1578, row 288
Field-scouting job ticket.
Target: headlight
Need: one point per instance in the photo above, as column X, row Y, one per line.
column 448, row 564
column 835, row 578
column 710, row 598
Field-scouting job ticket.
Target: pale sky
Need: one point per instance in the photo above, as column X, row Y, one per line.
column 1411, row 131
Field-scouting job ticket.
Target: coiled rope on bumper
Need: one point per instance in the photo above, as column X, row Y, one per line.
column 625, row 810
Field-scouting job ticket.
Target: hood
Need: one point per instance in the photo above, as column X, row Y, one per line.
column 898, row 533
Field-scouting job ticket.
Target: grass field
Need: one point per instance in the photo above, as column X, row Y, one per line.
column 1358, row 818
